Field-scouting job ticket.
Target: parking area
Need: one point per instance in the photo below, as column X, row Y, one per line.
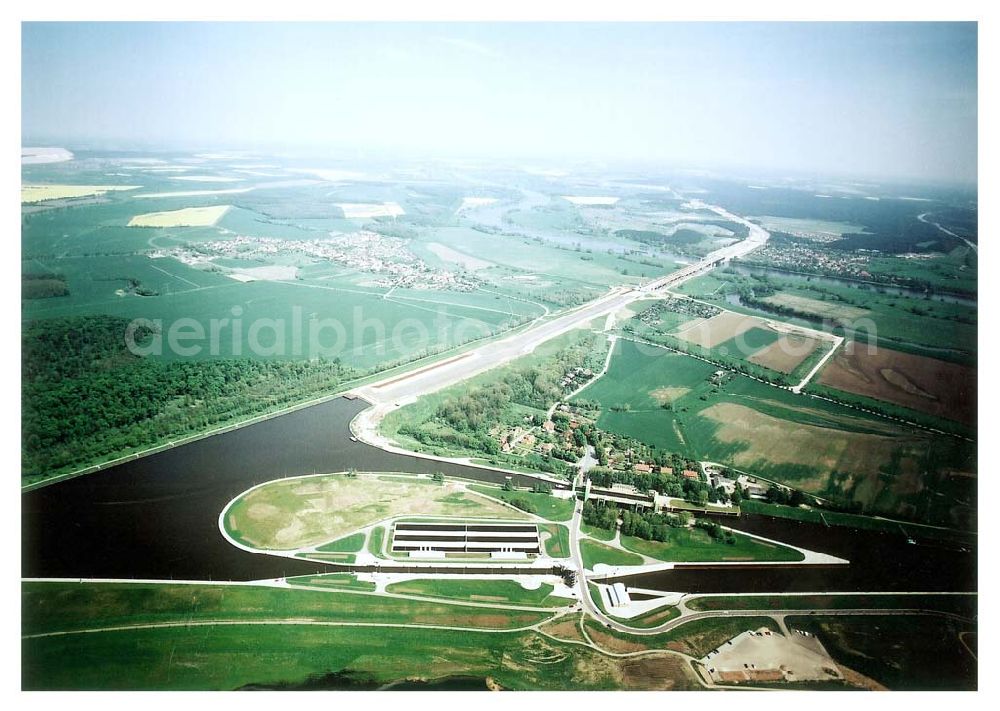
column 763, row 655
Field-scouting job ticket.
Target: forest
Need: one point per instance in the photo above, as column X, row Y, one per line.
column 86, row 397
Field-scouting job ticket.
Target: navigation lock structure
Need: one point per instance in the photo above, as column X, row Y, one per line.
column 342, row 402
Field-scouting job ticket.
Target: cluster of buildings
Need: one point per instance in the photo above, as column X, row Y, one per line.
column 802, row 257
column 576, row 377
column 388, row 257
column 695, row 309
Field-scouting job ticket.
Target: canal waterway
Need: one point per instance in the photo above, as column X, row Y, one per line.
column 157, row 518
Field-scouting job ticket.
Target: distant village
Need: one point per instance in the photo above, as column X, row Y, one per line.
column 803, row 257
column 388, row 257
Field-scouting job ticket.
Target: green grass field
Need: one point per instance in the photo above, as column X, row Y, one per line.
column 557, row 544
column 691, row 544
column 51, row 607
column 894, row 319
column 299, row 650
column 594, row 553
column 748, row 342
column 97, row 254
column 626, row 392
column 292, row 513
column 376, row 541
column 296, row 656
column 546, row 505
column 333, row 581
column 870, row 523
column 652, row 619
column 349, row 544
column 502, row 592
column 599, row 533
column 962, row 604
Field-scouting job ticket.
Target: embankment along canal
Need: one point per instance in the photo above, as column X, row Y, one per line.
column 157, row 518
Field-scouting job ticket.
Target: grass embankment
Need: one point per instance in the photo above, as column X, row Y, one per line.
column 594, row 553
column 329, row 557
column 912, row 653
column 292, row 513
column 557, row 542
column 506, row 592
column 291, row 653
column 227, row 658
column 655, row 618
column 595, row 532
column 335, row 581
column 696, row 638
column 964, row 604
column 544, row 505
column 869, row 523
column 350, row 544
column 692, row 544
column 376, row 541
column 49, row 607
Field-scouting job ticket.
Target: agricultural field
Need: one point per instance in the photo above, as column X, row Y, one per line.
column 718, row 330
column 727, row 335
column 928, row 385
column 273, row 240
column 40, row 193
column 641, row 384
column 838, row 313
column 787, row 352
column 821, row 447
column 306, row 511
column 186, row 217
column 930, row 324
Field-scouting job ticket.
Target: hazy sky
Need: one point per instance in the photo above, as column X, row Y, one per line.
column 891, row 99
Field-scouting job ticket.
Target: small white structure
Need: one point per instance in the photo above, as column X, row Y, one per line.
column 427, row 553
column 615, row 595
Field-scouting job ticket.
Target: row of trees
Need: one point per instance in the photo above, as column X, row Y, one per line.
column 652, row 526
column 649, row 525
column 694, row 490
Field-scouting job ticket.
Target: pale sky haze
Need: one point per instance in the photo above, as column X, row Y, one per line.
column 893, row 99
